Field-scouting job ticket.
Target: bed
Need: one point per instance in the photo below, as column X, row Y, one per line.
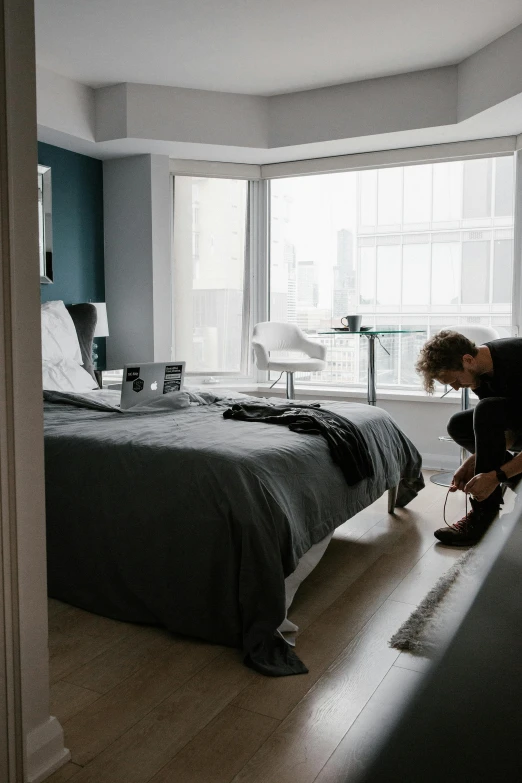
column 174, row 515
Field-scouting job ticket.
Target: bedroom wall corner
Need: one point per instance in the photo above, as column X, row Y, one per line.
column 137, row 258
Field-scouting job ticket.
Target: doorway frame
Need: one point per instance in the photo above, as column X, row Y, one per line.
column 32, row 740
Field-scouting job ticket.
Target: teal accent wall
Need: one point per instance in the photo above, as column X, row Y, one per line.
column 77, row 193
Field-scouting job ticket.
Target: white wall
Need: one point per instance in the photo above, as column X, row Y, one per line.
column 148, row 111
column 136, row 192
column 65, row 105
column 491, row 75
column 111, row 112
column 423, row 423
column 414, row 100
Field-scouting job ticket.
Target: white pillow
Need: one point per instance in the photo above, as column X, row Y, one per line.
column 59, row 337
column 66, row 375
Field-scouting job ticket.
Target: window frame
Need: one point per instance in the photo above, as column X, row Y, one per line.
column 256, row 261
column 516, row 293
column 260, row 177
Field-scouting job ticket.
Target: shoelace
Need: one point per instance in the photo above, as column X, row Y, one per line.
column 444, row 511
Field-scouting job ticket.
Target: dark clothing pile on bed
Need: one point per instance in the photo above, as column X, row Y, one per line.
column 345, row 441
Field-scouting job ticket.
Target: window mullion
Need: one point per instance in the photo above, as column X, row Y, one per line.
column 259, row 216
column 517, row 247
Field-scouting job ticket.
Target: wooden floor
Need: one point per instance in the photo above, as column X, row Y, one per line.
column 138, row 704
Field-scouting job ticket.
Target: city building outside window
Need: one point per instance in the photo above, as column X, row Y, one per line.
column 418, row 247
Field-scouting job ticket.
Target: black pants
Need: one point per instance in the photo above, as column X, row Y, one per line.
column 482, row 431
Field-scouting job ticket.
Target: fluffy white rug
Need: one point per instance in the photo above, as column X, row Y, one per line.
column 432, row 623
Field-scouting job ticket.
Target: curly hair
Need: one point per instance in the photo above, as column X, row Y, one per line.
column 443, row 352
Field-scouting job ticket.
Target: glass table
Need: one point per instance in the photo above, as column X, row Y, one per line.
column 372, row 335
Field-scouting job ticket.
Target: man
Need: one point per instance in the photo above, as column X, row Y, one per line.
column 494, row 372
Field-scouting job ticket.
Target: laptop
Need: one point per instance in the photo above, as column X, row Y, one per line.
column 146, row 381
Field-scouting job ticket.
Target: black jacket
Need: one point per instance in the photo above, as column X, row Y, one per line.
column 346, row 444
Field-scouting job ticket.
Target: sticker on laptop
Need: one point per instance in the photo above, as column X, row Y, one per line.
column 132, row 373
column 172, row 381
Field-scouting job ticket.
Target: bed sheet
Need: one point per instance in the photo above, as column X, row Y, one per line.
column 179, row 517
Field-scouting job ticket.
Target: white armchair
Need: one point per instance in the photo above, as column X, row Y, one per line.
column 275, row 336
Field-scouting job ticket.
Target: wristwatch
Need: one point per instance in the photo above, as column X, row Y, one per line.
column 501, row 476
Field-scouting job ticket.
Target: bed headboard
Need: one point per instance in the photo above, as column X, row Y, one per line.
column 85, row 316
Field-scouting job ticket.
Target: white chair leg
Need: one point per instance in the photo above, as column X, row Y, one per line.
column 290, row 394
column 392, row 499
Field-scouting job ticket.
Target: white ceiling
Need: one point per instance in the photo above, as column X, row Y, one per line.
column 261, row 47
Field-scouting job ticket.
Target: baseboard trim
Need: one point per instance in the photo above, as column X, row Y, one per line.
column 439, row 462
column 45, row 752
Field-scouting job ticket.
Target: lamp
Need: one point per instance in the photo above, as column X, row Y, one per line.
column 102, row 330
column 102, row 325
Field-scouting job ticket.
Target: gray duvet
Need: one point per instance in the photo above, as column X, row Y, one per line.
column 173, row 515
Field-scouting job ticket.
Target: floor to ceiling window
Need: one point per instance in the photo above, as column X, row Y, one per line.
column 210, row 218
column 419, row 247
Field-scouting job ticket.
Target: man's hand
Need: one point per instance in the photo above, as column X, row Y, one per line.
column 482, row 485
column 463, row 474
